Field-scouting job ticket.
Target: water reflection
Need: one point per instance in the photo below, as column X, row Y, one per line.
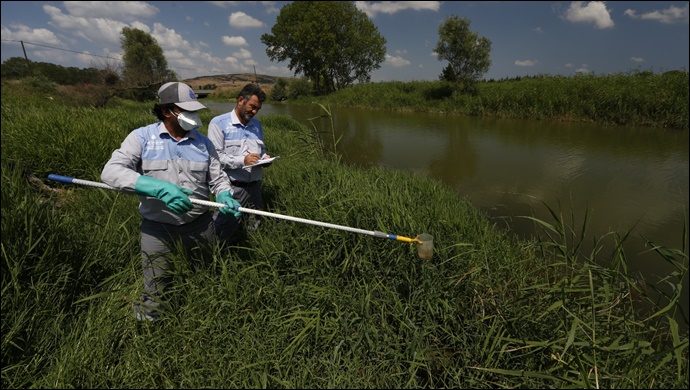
column 623, row 178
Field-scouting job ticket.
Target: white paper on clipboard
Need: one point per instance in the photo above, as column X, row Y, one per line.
column 262, row 162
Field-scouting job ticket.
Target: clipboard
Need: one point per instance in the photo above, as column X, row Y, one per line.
column 261, row 162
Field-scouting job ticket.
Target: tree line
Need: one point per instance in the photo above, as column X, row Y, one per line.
column 15, row 68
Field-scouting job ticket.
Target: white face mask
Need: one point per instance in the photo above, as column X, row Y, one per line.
column 188, row 120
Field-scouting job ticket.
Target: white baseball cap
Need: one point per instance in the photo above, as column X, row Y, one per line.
column 179, row 94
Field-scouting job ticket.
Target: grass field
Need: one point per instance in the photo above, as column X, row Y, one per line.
column 300, row 306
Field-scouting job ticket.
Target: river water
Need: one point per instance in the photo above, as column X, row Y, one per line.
column 621, row 178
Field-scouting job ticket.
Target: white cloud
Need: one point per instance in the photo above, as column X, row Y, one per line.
column 240, row 19
column 20, row 32
column 24, row 33
column 371, row 9
column 209, row 58
column 396, row 61
column 231, row 60
column 270, row 6
column 119, row 10
column 526, row 62
column 102, row 23
column 243, row 53
column 169, row 38
column 141, row 26
column 593, row 12
column 584, row 69
column 224, row 4
column 637, row 59
column 234, row 66
column 179, row 52
column 174, row 55
column 90, row 29
column 234, row 41
column 669, row 15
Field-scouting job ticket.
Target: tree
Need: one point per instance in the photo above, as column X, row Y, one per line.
column 15, row 68
column 109, row 70
column 448, row 74
column 144, row 65
column 300, row 86
column 466, row 52
column 279, row 90
column 332, row 43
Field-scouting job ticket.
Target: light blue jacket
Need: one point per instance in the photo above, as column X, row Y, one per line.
column 191, row 162
column 233, row 141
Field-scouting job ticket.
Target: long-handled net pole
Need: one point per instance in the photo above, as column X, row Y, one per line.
column 375, row 233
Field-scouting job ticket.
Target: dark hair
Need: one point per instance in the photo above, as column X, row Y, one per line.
column 250, row 90
column 158, row 110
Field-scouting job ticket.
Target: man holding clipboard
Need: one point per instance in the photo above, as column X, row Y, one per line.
column 239, row 140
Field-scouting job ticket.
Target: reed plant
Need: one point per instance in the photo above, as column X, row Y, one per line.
column 636, row 98
column 299, row 306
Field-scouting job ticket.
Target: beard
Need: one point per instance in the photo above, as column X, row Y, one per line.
column 245, row 114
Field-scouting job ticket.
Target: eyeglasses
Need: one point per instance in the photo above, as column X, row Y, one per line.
column 253, row 107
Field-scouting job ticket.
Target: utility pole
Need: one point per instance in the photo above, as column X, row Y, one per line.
column 28, row 63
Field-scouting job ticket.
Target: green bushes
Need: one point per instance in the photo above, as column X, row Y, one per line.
column 635, row 99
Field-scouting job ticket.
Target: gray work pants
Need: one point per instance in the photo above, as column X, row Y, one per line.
column 158, row 242
column 249, row 196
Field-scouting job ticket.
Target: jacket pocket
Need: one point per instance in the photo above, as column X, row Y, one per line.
column 199, row 171
column 154, row 168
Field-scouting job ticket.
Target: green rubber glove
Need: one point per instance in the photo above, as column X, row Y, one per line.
column 175, row 197
column 232, row 206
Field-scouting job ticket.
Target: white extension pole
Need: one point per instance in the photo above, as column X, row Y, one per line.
column 375, row 233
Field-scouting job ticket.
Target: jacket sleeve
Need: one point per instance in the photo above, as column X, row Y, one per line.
column 215, row 134
column 218, row 180
column 123, row 168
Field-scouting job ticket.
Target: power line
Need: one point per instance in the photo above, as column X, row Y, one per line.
column 59, row 48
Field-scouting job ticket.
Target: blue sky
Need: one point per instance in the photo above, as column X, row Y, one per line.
column 218, row 37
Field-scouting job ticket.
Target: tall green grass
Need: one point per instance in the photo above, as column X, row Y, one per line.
column 627, row 99
column 300, row 306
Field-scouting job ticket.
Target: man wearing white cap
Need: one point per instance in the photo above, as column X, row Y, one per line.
column 166, row 163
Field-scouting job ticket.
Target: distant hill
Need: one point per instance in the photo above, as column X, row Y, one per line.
column 232, row 81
